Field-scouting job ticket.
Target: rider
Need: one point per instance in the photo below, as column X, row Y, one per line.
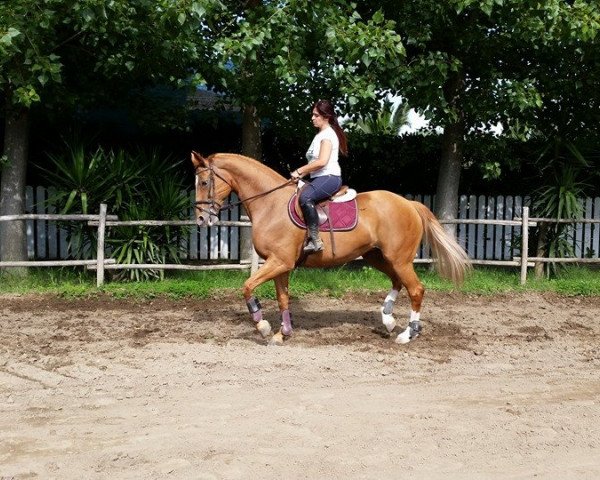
column 323, row 166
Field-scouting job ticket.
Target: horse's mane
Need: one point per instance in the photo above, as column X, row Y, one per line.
column 245, row 164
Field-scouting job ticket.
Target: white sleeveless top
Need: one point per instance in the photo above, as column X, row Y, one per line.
column 333, row 165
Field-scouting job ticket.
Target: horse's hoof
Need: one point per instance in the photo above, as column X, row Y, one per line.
column 277, row 340
column 286, row 330
column 403, row 337
column 264, row 328
column 409, row 333
column 388, row 321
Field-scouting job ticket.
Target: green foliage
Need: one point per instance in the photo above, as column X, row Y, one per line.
column 137, row 41
column 491, row 46
column 84, row 179
column 282, row 56
column 27, row 49
column 560, row 198
column 139, row 186
column 387, row 121
column 142, row 244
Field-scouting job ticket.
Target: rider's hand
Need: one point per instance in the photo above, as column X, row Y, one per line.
column 296, row 175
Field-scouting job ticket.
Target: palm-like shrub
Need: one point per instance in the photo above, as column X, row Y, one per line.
column 387, row 121
column 84, row 179
column 135, row 186
column 560, row 199
column 166, row 200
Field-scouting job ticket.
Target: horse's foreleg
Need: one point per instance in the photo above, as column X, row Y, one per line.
column 268, row 271
column 255, row 309
column 415, row 291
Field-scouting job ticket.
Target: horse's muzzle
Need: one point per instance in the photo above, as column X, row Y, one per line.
column 207, row 219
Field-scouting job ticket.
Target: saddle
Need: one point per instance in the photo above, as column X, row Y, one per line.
column 338, row 213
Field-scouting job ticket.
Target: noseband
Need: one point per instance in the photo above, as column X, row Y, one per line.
column 213, row 207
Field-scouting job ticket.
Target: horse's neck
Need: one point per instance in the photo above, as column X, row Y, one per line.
column 251, row 180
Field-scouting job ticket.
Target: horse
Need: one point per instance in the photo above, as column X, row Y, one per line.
column 389, row 230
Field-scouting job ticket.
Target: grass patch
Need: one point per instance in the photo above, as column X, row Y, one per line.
column 328, row 282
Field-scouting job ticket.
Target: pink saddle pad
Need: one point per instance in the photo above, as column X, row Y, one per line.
column 344, row 215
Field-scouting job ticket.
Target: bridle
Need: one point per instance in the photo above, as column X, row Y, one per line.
column 211, row 202
column 215, row 207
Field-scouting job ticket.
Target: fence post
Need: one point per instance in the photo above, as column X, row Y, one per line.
column 100, row 246
column 524, row 244
column 245, row 240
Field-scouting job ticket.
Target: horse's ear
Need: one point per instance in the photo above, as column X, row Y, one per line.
column 198, row 160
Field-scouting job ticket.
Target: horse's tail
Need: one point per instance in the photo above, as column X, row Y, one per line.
column 452, row 261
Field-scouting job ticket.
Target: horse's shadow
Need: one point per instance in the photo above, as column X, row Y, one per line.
column 317, row 323
column 309, row 319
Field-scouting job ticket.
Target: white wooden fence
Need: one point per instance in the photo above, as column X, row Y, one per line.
column 493, row 231
column 47, row 241
column 503, row 242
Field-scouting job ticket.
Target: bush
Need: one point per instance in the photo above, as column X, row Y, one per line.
column 135, row 186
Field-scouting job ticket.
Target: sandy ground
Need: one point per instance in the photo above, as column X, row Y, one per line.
column 497, row 387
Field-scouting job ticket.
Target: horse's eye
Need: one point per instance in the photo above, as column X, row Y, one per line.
column 204, row 183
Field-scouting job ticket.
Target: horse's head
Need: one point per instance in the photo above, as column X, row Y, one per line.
column 211, row 189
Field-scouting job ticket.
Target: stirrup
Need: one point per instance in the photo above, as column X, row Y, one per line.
column 312, row 246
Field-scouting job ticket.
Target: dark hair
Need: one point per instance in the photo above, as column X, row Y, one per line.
column 326, row 110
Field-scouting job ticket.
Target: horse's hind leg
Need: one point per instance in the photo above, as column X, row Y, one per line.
column 283, row 300
column 376, row 259
column 415, row 290
column 403, row 275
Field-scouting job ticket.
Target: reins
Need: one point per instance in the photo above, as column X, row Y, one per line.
column 228, row 206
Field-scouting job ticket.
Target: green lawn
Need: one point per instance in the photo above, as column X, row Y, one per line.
column 331, row 282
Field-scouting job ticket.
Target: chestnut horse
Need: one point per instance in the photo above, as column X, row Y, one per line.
column 388, row 233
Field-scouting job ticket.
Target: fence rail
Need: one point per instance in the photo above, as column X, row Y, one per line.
column 498, row 238
column 99, row 262
column 493, row 231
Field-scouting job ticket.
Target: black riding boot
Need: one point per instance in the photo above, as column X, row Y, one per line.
column 311, row 217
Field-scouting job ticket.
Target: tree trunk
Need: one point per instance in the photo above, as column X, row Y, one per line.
column 446, row 200
column 251, row 147
column 13, row 235
column 251, row 135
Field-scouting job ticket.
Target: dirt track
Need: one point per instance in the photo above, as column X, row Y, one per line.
column 497, row 387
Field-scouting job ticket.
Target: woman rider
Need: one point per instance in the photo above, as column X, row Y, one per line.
column 324, row 168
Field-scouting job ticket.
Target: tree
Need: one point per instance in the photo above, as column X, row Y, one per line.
column 27, row 65
column 470, row 66
column 60, row 52
column 278, row 57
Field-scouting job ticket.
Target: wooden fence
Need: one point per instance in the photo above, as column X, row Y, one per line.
column 46, row 240
column 493, row 231
column 102, row 221
column 488, row 241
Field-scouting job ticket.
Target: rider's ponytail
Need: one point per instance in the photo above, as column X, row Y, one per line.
column 325, row 109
